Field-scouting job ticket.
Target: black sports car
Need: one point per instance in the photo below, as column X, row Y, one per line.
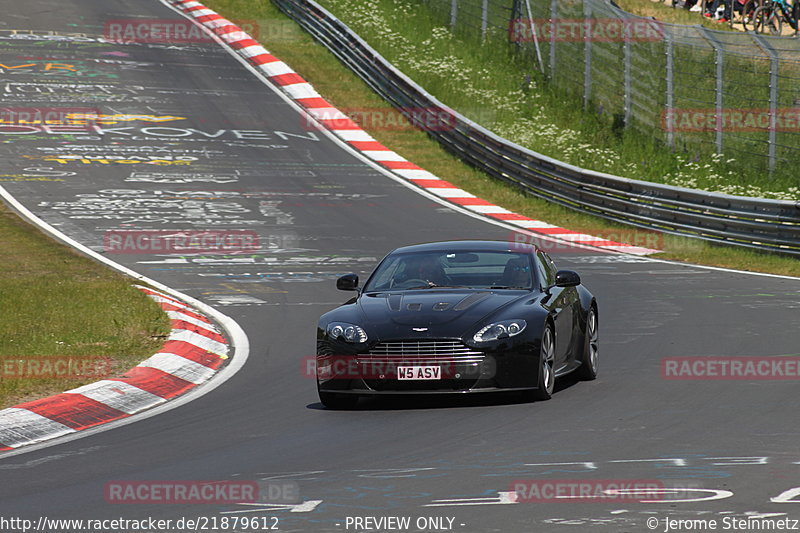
column 457, row 317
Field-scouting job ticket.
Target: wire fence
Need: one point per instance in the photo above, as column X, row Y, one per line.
column 697, row 90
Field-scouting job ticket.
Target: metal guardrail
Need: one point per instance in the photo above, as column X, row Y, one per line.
column 757, row 223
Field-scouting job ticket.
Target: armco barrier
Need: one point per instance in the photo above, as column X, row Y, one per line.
column 758, row 223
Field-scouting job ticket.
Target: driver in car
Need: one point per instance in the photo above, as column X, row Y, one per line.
column 425, row 268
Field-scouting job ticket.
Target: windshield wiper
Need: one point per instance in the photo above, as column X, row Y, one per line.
column 509, row 287
column 432, row 285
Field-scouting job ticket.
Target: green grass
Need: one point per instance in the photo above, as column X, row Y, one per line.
column 340, row 86
column 58, row 304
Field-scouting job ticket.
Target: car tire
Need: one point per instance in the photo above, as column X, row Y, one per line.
column 589, row 359
column 332, row 400
column 547, row 376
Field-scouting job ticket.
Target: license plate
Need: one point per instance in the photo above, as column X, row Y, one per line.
column 419, row 372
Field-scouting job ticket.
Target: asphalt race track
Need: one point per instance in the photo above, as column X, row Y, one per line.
column 232, row 154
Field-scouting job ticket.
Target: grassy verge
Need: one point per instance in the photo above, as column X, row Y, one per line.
column 60, row 307
column 338, row 85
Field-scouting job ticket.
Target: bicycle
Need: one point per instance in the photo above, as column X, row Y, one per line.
column 748, row 10
column 771, row 16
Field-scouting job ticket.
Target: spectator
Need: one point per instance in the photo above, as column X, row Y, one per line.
column 714, row 7
column 692, row 5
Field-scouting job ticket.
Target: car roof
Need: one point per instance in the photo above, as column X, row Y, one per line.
column 468, row 246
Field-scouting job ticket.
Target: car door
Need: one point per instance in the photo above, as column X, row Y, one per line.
column 561, row 307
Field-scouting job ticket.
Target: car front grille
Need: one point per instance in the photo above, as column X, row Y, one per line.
column 423, row 351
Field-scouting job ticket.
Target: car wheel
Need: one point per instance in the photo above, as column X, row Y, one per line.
column 588, row 369
column 547, row 375
column 332, row 400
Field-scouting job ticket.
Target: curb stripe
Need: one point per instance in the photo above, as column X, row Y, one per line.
column 288, row 79
column 263, row 59
column 450, row 193
column 301, row 90
column 508, row 216
column 182, row 312
column 192, row 353
column 404, row 165
column 201, row 341
column 472, row 202
column 159, row 382
column 312, row 103
column 21, row 427
column 169, row 302
column 180, row 325
column 330, row 114
column 248, row 47
column 367, row 145
column 355, row 135
column 160, row 297
column 437, row 184
column 341, row 122
column 73, row 410
column 180, row 367
column 384, row 156
column 530, row 224
column 119, row 395
column 197, row 320
column 487, row 209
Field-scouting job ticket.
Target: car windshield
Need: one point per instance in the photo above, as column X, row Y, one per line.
column 478, row 270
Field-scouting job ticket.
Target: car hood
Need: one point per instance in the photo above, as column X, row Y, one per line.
column 446, row 313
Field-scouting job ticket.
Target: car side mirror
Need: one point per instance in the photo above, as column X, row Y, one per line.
column 348, row 282
column 567, row 278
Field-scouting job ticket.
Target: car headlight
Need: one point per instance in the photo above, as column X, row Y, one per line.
column 500, row 330
column 346, row 332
